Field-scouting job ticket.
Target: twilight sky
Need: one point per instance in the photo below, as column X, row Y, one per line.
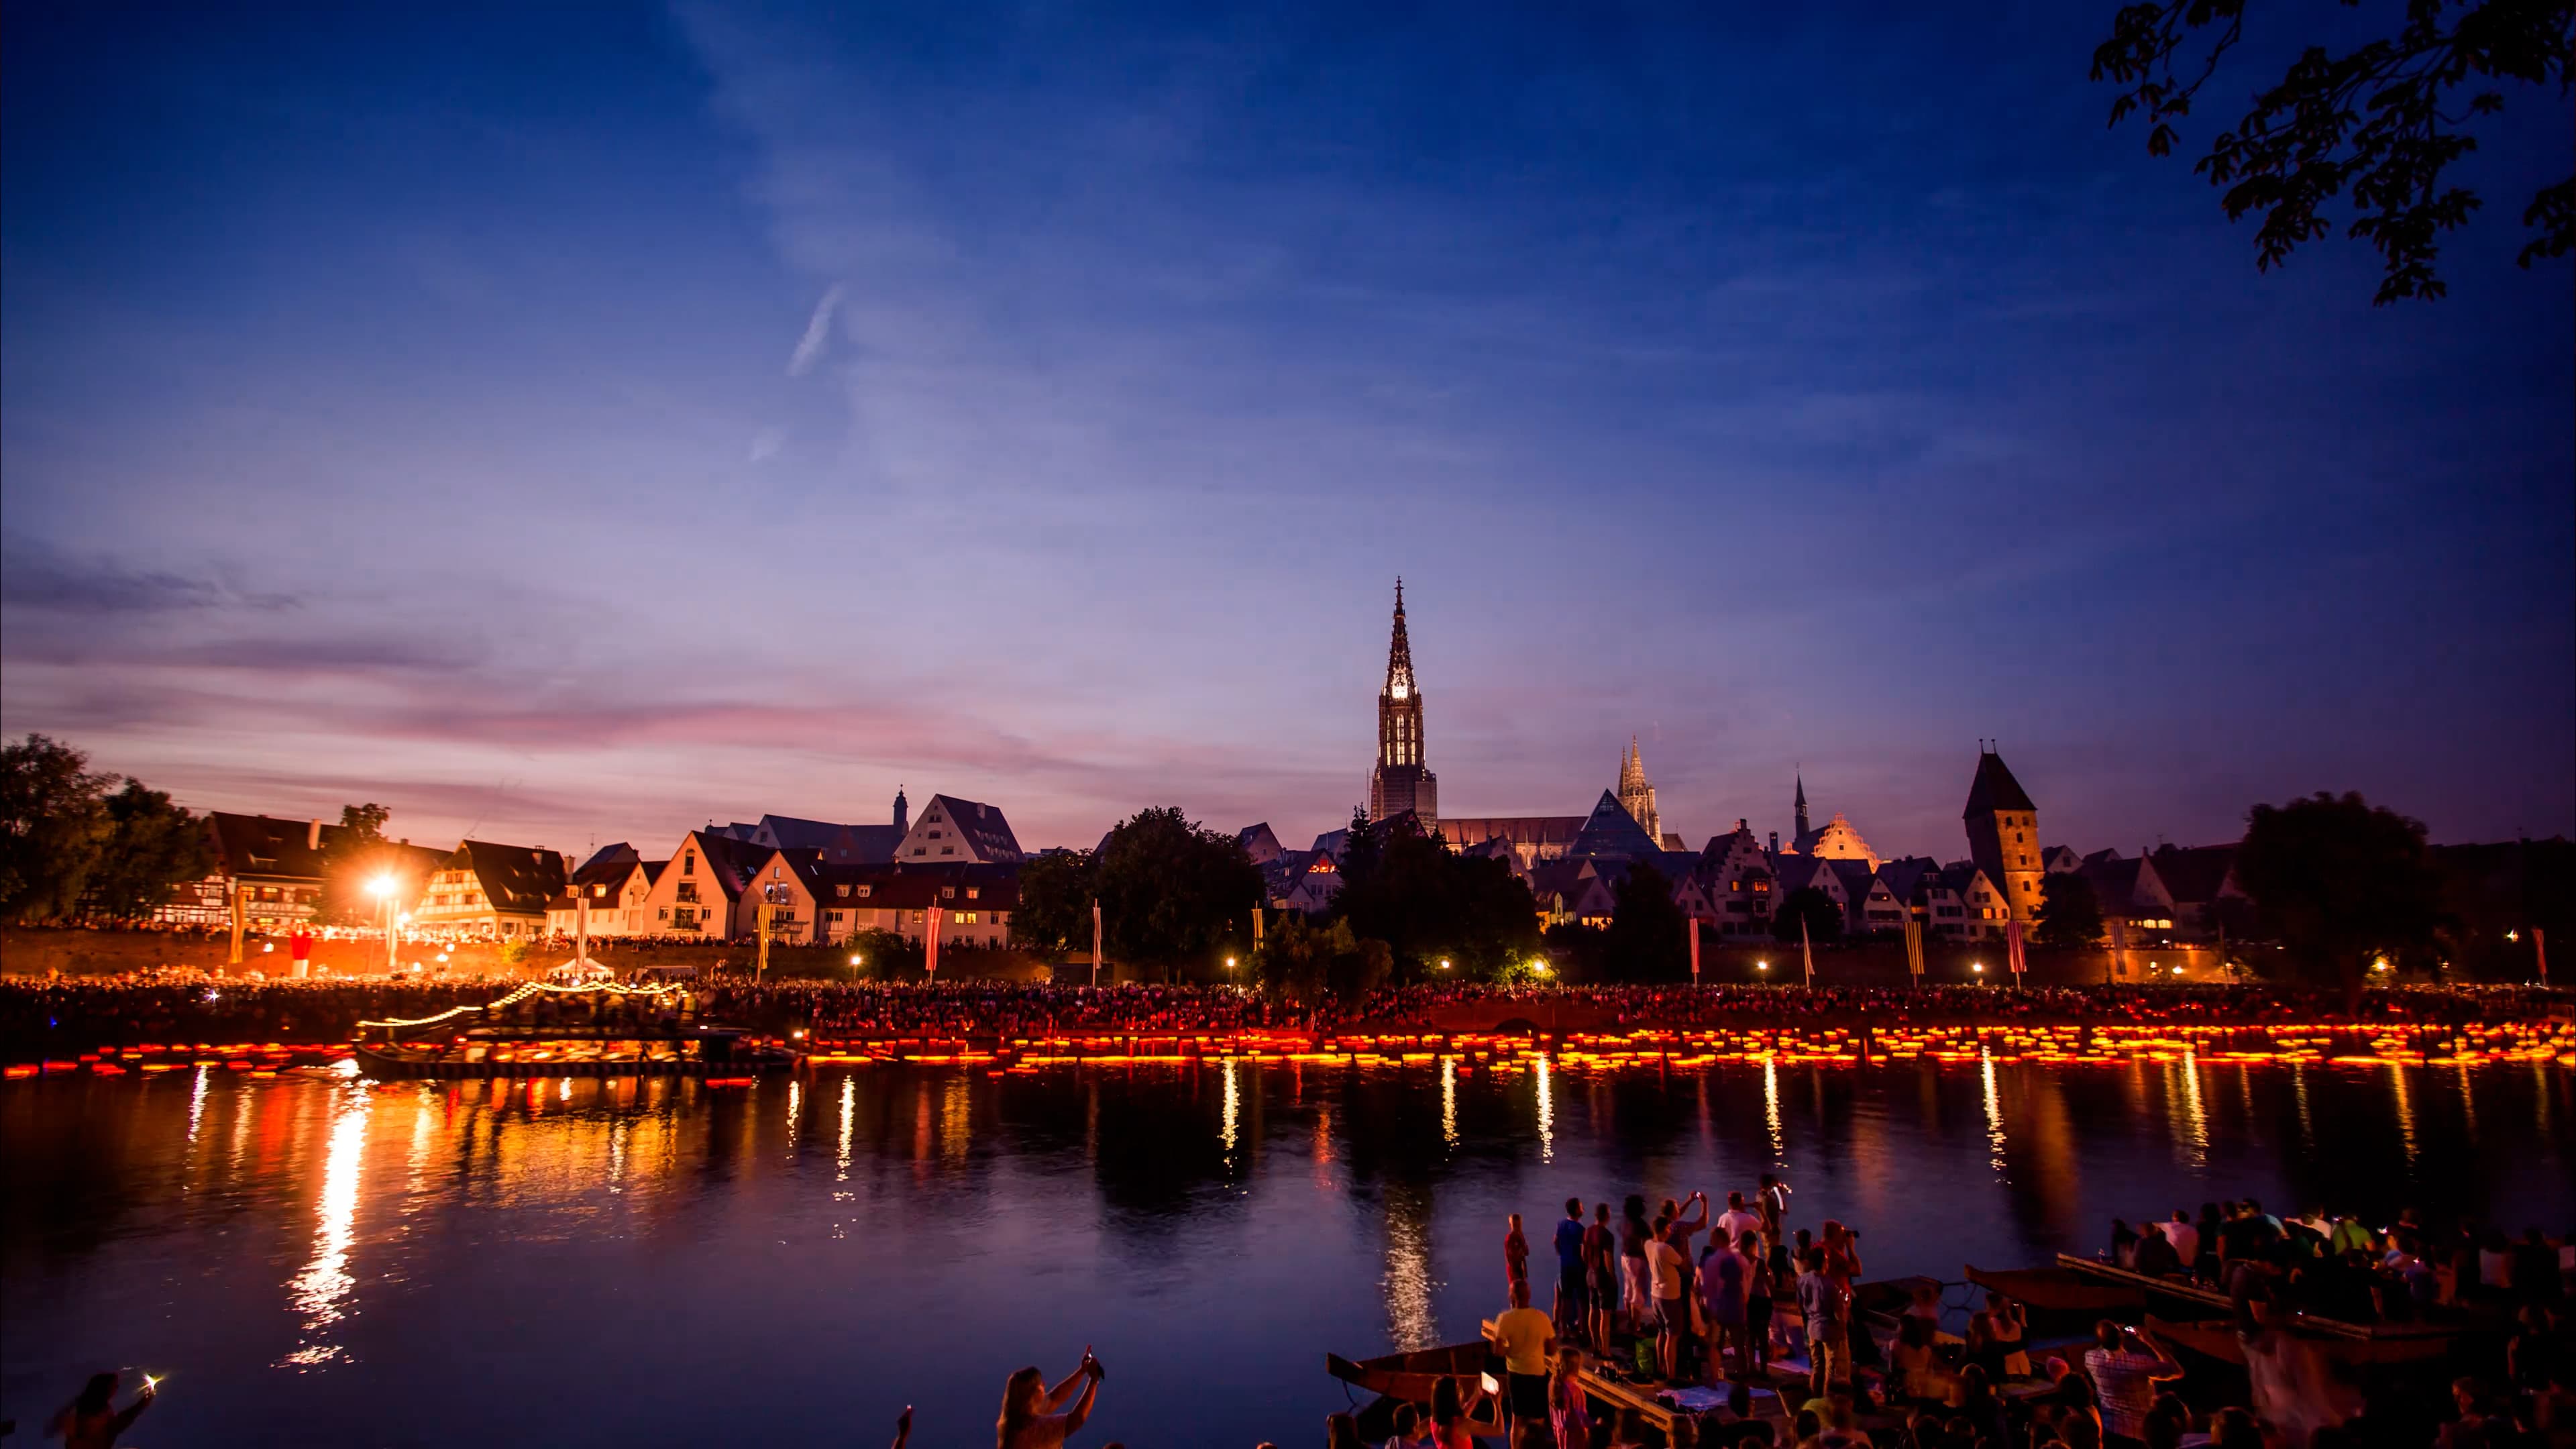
column 577, row 426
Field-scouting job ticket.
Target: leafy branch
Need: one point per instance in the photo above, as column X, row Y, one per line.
column 2378, row 123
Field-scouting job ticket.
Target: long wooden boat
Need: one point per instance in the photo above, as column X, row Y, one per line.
column 1412, row 1377
column 594, row 1029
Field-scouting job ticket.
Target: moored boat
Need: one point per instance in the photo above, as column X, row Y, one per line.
column 592, row 1029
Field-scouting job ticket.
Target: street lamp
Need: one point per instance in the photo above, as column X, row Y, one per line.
column 1977, row 966
column 1229, row 963
column 1540, row 967
column 854, row 966
column 1761, row 965
column 1444, row 963
column 382, row 888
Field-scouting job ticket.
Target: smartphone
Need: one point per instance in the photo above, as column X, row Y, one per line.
column 1492, row 1386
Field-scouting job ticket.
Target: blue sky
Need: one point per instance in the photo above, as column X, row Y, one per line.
column 575, row 426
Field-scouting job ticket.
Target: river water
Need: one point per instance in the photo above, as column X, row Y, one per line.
column 315, row 1260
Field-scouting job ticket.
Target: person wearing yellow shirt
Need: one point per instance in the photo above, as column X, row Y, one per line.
column 1526, row 1339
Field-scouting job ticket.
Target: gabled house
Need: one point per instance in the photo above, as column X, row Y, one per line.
column 2198, row 879
column 1983, row 907
column 701, row 887
column 1804, row 872
column 277, row 866
column 1739, row 878
column 959, row 832
column 789, row 883
column 970, row 906
column 1307, row 881
column 615, row 882
column 1575, row 890
column 2058, row 858
column 1917, row 882
column 2131, row 895
column 1871, row 906
column 836, row 844
column 1260, row 843
column 490, row 890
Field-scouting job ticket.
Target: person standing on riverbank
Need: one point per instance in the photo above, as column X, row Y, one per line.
column 92, row 1421
column 1821, row 1305
column 1601, row 1274
column 1029, row 1419
column 1636, row 1291
column 1515, row 1258
column 1571, row 1280
column 1526, row 1339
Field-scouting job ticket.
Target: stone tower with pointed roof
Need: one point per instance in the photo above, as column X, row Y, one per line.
column 1402, row 782
column 2003, row 833
column 1635, row 794
column 1803, row 834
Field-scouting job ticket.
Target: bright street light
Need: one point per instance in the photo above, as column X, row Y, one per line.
column 381, row 886
column 1761, row 965
column 1977, row 966
column 1444, row 963
column 1229, row 963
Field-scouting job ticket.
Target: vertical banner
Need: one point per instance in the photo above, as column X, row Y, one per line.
column 1095, row 943
column 2119, row 950
column 580, row 927
column 236, row 957
column 2540, row 952
column 1807, row 949
column 1914, row 947
column 2013, row 957
column 1694, row 939
column 930, row 939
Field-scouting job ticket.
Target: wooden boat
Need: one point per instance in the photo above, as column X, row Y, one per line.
column 593, row 1029
column 1410, row 1377
column 2080, row 1290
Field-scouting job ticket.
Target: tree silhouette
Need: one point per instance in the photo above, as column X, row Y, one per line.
column 2379, row 122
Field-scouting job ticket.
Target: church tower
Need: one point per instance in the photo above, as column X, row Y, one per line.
column 2003, row 833
column 1636, row 795
column 1401, row 782
column 1805, row 834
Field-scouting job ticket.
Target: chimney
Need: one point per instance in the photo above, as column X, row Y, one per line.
column 313, row 836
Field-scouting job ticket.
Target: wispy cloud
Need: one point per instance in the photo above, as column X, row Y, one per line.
column 818, row 333
column 36, row 575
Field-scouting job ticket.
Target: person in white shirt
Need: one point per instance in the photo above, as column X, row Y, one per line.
column 1736, row 1221
column 1665, row 1265
column 2184, row 1237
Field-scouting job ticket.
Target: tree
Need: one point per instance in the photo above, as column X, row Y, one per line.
column 1647, row 939
column 2379, row 121
column 2339, row 883
column 1361, row 849
column 1172, row 892
column 1054, row 913
column 53, row 826
column 152, row 846
column 1823, row 918
column 354, row 855
column 1429, row 904
column 2069, row 913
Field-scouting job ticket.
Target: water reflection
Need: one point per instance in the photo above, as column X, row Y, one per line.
column 1994, row 1117
column 1233, row 1106
column 2405, row 1109
column 197, row 1102
column 1546, row 1111
column 1358, row 1205
column 1449, row 1102
column 323, row 1287
column 1771, row 1111
column 2191, row 1127
column 1409, row 1285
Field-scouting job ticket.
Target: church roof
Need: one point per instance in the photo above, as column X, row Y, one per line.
column 1517, row 829
column 1995, row 789
column 1611, row 831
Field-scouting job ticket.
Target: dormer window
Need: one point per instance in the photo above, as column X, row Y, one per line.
column 948, row 892
column 973, row 891
column 841, row 891
column 863, row 891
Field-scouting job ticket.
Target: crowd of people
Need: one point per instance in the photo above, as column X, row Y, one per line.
column 58, row 1013
column 1764, row 1308
column 2209, row 1004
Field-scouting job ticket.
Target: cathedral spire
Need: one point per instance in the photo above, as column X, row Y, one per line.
column 1399, row 651
column 1803, row 830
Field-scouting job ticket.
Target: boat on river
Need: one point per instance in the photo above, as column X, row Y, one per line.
column 580, row 1028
